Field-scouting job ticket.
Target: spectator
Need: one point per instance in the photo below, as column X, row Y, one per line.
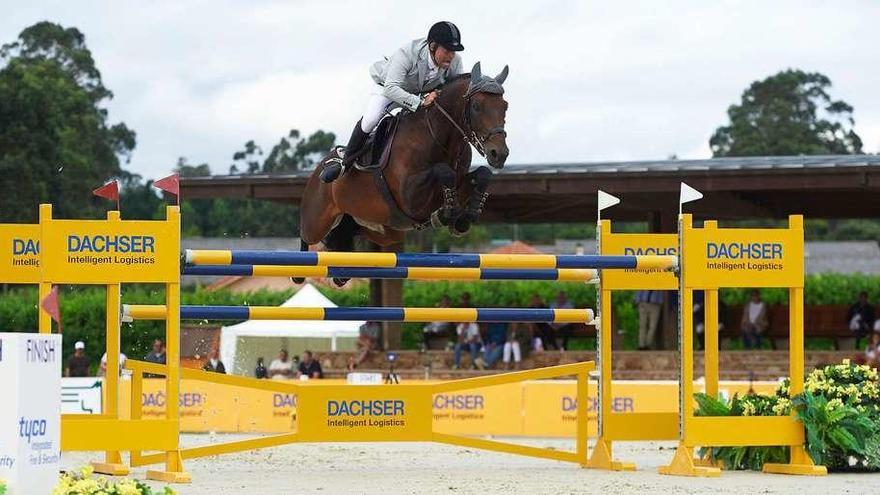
column 281, row 367
column 754, row 321
column 543, row 331
column 465, row 301
column 78, row 364
column 562, row 329
column 102, row 370
column 309, row 367
column 496, row 337
column 437, row 328
column 368, row 339
column 468, row 336
column 260, row 371
column 700, row 318
column 860, row 317
column 214, row 364
column 650, row 304
column 511, row 346
column 156, row 356
column 872, row 351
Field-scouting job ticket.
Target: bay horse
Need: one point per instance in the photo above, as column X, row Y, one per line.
column 424, row 178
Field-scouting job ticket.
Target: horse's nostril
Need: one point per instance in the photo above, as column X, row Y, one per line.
column 493, row 154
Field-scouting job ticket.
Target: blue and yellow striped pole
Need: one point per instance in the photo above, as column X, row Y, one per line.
column 540, row 315
column 427, row 260
column 410, row 273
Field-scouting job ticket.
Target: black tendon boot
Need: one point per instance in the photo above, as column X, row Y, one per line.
column 335, row 168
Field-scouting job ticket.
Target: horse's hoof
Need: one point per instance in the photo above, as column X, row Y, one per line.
column 436, row 221
column 340, row 281
column 460, row 227
column 297, row 280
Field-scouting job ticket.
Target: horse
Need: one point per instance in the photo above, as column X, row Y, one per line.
column 423, row 178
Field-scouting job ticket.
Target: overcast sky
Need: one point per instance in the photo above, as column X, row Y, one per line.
column 589, row 81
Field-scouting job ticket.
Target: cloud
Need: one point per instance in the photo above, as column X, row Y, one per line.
column 589, row 80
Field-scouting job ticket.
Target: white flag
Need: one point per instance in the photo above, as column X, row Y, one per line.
column 688, row 194
column 606, row 200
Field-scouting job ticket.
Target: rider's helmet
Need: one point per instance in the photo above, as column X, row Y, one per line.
column 447, row 35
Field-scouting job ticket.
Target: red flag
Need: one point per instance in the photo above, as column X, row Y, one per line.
column 170, row 184
column 51, row 305
column 109, row 191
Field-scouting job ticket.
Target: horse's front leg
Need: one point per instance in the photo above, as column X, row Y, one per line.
column 445, row 179
column 477, row 184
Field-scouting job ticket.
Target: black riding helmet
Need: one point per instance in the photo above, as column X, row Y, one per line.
column 447, row 35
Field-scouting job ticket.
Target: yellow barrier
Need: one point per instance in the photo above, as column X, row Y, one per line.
column 113, row 251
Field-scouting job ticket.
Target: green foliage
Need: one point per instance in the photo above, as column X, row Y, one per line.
column 789, row 113
column 292, row 153
column 820, row 288
column 834, row 429
column 56, row 143
column 752, row 458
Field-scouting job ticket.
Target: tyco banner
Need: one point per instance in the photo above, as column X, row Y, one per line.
column 715, row 258
column 637, row 245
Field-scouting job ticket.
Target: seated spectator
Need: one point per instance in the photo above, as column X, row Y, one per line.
column 465, row 300
column 437, row 328
column 102, row 369
column 468, row 337
column 368, row 339
column 562, row 329
column 860, row 317
column 281, row 368
column 754, row 321
column 260, row 371
column 214, row 365
column 309, row 367
column 542, row 331
column 155, row 356
column 78, row 364
column 511, row 346
column 872, row 350
column 496, row 336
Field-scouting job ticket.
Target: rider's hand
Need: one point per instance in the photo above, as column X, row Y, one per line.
column 429, row 98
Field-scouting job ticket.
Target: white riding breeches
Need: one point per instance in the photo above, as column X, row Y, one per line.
column 376, row 108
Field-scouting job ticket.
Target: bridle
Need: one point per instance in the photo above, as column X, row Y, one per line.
column 472, row 138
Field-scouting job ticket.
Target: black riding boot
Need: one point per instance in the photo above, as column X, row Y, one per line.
column 335, row 169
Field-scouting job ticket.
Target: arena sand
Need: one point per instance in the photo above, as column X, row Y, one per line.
column 417, row 468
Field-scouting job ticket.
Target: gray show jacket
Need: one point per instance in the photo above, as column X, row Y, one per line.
column 406, row 73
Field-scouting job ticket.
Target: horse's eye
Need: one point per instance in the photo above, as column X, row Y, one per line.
column 475, row 106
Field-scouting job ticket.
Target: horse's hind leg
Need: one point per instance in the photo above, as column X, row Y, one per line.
column 303, row 246
column 477, row 185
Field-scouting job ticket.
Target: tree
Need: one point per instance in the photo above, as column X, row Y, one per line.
column 790, row 113
column 291, row 154
column 56, row 143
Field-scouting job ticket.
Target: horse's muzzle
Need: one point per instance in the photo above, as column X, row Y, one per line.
column 496, row 154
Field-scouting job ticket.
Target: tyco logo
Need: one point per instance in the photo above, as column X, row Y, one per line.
column 31, row 428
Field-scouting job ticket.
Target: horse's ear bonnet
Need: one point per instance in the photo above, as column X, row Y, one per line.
column 485, row 84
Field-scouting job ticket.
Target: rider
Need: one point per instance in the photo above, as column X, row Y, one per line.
column 416, row 68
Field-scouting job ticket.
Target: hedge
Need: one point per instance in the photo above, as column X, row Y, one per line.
column 83, row 307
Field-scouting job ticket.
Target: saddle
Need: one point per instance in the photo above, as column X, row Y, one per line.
column 374, row 154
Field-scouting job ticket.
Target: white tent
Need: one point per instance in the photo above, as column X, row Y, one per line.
column 234, row 338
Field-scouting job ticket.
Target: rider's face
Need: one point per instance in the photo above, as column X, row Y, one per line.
column 443, row 57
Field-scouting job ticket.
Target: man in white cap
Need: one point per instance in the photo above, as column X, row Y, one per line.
column 78, row 364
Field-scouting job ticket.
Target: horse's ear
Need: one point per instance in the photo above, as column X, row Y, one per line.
column 476, row 73
column 500, row 78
